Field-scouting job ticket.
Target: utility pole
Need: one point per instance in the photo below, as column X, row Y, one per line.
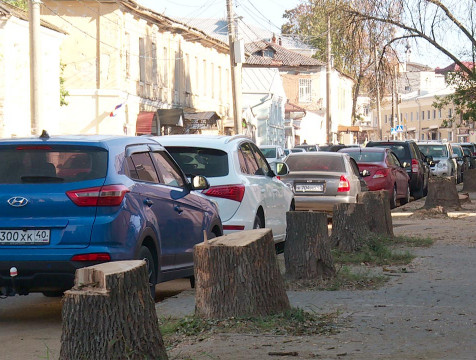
column 35, row 54
column 233, row 68
column 328, row 82
column 377, row 85
column 397, row 103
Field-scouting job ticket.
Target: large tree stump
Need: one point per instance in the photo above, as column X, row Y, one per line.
column 307, row 253
column 377, row 210
column 350, row 228
column 442, row 192
column 469, row 183
column 238, row 275
column 109, row 314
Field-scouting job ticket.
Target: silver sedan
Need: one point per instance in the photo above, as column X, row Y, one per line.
column 320, row 180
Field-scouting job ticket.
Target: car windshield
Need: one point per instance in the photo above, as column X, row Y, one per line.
column 367, row 157
column 457, row 150
column 51, row 164
column 269, row 153
column 402, row 151
column 315, row 163
column 433, row 150
column 200, row 161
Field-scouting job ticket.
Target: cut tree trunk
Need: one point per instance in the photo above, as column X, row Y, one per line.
column 469, row 183
column 377, row 210
column 442, row 192
column 237, row 275
column 307, row 254
column 109, row 314
column 350, row 228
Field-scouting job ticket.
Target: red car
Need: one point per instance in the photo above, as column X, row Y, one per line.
column 384, row 172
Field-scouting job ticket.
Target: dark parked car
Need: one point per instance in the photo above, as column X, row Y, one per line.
column 74, row 201
column 307, row 147
column 384, row 172
column 472, row 148
column 468, row 158
column 415, row 163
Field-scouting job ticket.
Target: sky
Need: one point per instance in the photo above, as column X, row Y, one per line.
column 267, row 14
column 264, row 13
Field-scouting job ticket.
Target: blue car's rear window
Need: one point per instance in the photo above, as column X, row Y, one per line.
column 200, row 161
column 22, row 164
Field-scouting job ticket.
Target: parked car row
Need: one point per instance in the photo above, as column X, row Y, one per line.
column 74, row 201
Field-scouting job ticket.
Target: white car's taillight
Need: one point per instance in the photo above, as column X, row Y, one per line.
column 230, row 192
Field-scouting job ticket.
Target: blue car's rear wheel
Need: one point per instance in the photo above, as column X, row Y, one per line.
column 146, row 255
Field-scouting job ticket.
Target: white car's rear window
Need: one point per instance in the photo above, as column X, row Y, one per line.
column 200, row 161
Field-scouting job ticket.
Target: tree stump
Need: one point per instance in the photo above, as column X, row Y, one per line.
column 377, row 210
column 109, row 314
column 307, row 253
column 237, row 275
column 469, row 183
column 350, row 227
column 442, row 192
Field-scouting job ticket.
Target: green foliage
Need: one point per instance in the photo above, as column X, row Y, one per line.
column 464, row 97
column 63, row 91
column 22, row 4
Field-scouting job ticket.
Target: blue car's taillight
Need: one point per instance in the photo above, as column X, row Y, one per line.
column 107, row 195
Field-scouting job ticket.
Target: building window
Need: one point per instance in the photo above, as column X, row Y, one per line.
column 428, row 113
column 154, row 63
column 450, row 113
column 423, row 115
column 417, row 115
column 450, row 135
column 434, row 114
column 128, row 55
column 220, row 90
column 187, row 74
column 165, row 75
column 213, row 80
column 304, row 90
column 195, row 90
column 141, row 60
column 411, row 116
column 423, row 136
column 385, row 119
column 204, row 80
column 439, row 113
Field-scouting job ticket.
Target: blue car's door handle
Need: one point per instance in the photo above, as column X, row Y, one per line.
column 178, row 209
column 148, row 202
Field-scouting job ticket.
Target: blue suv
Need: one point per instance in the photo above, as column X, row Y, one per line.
column 74, row 201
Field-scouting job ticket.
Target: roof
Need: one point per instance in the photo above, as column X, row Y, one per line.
column 281, row 57
column 218, row 28
column 187, row 30
column 454, row 67
column 9, row 10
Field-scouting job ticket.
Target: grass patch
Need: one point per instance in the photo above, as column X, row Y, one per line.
column 376, row 251
column 346, row 279
column 412, row 241
column 295, row 322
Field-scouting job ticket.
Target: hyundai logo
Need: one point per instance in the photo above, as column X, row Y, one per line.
column 17, row 201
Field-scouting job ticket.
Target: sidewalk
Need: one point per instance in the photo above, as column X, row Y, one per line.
column 428, row 313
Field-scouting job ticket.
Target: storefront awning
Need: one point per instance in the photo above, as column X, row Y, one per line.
column 146, row 123
column 343, row 128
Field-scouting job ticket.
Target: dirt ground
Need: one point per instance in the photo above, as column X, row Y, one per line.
column 427, row 312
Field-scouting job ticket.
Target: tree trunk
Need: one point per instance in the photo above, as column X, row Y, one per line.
column 377, row 210
column 307, row 254
column 442, row 192
column 109, row 314
column 350, row 228
column 469, row 183
column 238, row 275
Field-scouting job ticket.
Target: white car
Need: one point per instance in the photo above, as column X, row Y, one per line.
column 248, row 194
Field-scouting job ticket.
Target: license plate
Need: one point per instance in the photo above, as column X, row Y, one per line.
column 24, row 237
column 310, row 187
